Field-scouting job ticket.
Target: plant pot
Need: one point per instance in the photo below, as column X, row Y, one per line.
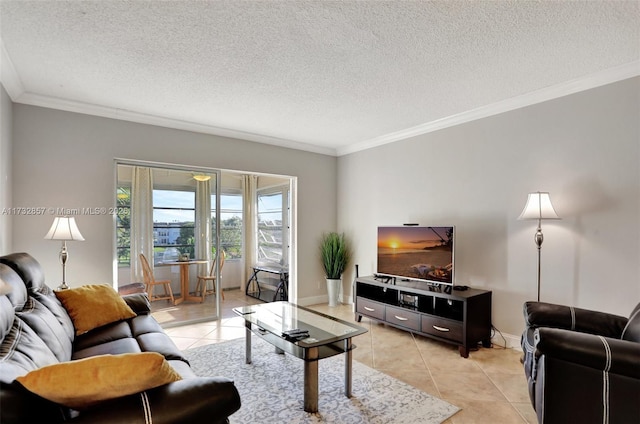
column 334, row 288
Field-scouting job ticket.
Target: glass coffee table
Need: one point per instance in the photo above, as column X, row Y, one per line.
column 328, row 336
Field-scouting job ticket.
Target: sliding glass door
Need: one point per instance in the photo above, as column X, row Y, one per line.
column 170, row 214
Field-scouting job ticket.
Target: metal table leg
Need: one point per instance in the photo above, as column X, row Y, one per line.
column 254, row 277
column 311, row 380
column 347, row 367
column 247, row 342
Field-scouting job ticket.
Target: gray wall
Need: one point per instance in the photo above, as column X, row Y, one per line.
column 584, row 149
column 6, row 138
column 64, row 159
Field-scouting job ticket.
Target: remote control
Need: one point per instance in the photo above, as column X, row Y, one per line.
column 297, row 337
column 295, row 332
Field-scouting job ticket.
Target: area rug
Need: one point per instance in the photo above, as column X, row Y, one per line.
column 271, row 389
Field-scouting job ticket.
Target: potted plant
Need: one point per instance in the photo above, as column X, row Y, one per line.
column 335, row 254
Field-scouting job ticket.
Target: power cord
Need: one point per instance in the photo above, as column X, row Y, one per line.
column 493, row 333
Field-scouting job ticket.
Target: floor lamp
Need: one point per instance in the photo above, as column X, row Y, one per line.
column 538, row 207
column 65, row 229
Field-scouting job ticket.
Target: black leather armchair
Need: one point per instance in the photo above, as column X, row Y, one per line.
column 581, row 365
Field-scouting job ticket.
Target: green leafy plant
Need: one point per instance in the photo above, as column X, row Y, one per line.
column 335, row 254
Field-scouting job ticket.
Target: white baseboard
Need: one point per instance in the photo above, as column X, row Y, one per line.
column 316, row 300
column 313, row 300
column 347, row 300
column 509, row 341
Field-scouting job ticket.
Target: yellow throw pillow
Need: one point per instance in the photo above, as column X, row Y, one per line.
column 85, row 382
column 93, row 306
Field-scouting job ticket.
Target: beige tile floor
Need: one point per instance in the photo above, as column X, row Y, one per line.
column 489, row 386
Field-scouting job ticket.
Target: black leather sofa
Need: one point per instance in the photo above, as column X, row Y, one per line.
column 30, row 315
column 582, row 366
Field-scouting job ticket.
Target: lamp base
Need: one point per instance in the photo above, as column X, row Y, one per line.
column 539, row 238
column 64, row 255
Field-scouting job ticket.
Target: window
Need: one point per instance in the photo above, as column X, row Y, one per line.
column 174, row 223
column 123, row 232
column 273, row 225
column 174, row 215
column 230, row 224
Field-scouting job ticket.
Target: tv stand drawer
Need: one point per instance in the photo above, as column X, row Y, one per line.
column 451, row 330
column 370, row 308
column 403, row 317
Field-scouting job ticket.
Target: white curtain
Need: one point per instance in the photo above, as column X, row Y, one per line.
column 250, row 216
column 203, row 225
column 141, row 219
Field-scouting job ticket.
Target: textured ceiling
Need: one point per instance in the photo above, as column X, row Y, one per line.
column 326, row 76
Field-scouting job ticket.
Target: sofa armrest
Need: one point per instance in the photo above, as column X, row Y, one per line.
column 597, row 352
column 139, row 302
column 197, row 400
column 18, row 406
column 541, row 314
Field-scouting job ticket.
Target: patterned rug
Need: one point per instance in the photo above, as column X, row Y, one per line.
column 271, row 389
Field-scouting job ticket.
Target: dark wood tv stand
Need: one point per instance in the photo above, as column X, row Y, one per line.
column 462, row 318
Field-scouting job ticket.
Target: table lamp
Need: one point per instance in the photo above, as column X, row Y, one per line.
column 64, row 228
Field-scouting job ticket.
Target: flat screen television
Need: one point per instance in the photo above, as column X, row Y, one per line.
column 417, row 253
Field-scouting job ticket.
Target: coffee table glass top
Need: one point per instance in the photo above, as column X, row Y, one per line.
column 277, row 317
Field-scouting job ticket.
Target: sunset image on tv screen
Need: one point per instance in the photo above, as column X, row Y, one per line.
column 423, row 253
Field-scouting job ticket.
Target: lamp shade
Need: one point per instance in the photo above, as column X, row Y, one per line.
column 538, row 207
column 64, row 228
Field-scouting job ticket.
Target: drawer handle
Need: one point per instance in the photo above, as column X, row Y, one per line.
column 401, row 318
column 369, row 309
column 444, row 329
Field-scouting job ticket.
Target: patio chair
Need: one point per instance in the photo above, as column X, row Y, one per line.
column 150, row 282
column 201, row 285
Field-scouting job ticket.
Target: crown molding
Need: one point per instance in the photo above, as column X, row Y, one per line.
column 12, row 83
column 8, row 75
column 608, row 76
column 161, row 121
